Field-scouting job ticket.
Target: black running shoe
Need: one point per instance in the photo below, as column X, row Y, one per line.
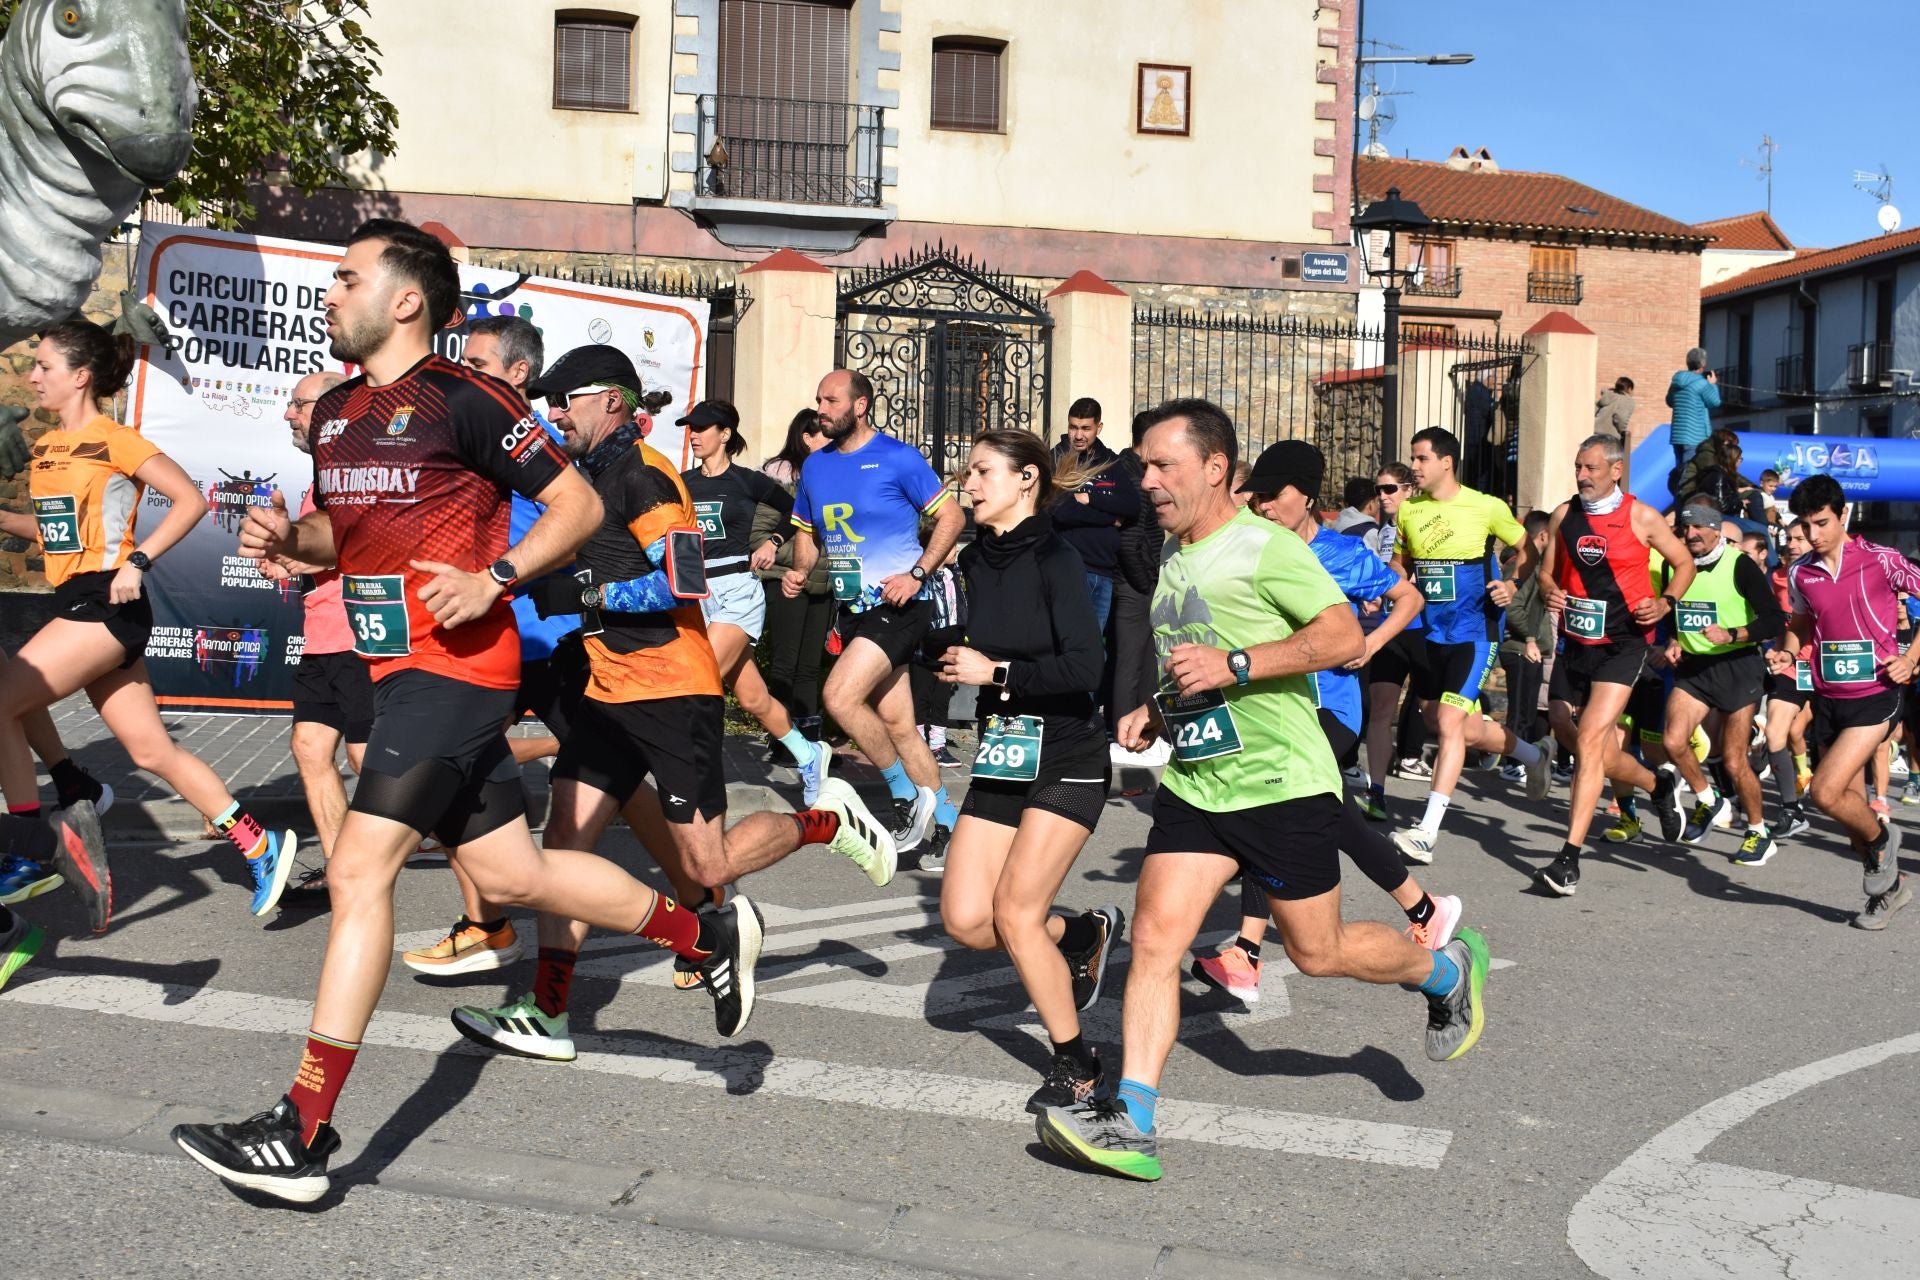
column 1561, row 877
column 933, row 851
column 308, row 893
column 1067, row 1084
column 1089, row 967
column 1666, row 806
column 728, row 972
column 89, row 788
column 264, row 1152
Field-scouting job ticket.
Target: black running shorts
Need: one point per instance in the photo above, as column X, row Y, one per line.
column 437, row 759
column 1073, row 783
column 83, row 598
column 613, row 746
column 1725, row 682
column 1834, row 716
column 1401, row 659
column 1290, row 849
column 336, row 690
column 1581, row 666
column 898, row 632
column 552, row 689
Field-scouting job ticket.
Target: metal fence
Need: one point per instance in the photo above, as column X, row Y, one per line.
column 1285, row 377
column 790, row 150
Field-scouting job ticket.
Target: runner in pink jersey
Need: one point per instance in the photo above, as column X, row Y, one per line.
column 1845, row 597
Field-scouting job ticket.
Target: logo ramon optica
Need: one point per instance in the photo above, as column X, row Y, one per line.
column 237, row 649
column 229, row 497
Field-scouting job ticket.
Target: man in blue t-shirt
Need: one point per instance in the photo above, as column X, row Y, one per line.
column 860, row 501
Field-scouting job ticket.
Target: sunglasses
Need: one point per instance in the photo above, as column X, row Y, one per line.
column 1388, row 488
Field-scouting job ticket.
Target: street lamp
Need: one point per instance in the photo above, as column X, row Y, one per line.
column 1392, row 216
column 1426, row 59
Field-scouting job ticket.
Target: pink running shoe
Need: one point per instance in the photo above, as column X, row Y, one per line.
column 1437, row 932
column 1235, row 974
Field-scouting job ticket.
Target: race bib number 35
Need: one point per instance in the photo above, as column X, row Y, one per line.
column 844, row 573
column 1695, row 616
column 1201, row 725
column 712, row 526
column 377, row 613
column 1010, row 749
column 1847, row 662
column 59, row 519
column 1585, row 618
column 1436, row 581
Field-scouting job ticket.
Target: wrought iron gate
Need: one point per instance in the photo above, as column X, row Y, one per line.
column 952, row 349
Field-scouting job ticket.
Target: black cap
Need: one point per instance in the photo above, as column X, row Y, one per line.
column 592, row 366
column 710, row 413
column 1290, row 462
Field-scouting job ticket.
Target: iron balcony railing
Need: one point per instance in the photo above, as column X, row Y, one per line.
column 1554, row 287
column 1870, row 364
column 1444, row 283
column 789, row 150
column 1736, row 389
column 1792, row 377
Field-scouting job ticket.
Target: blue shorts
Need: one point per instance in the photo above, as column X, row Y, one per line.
column 1456, row 673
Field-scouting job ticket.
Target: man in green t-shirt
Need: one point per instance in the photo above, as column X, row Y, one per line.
column 1242, row 617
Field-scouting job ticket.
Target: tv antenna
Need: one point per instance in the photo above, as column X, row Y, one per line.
column 1763, row 167
column 1376, row 108
column 1879, row 185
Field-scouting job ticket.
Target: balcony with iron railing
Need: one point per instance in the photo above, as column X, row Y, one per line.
column 1431, row 283
column 1554, row 287
column 1736, row 386
column 789, row 151
column 1792, row 376
column 1870, row 365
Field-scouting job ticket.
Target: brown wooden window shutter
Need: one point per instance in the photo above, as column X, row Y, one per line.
column 787, row 49
column 592, row 63
column 966, row 84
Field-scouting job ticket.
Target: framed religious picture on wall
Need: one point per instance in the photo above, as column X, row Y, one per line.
column 1163, row 98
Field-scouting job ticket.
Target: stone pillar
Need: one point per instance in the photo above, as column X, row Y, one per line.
column 1556, row 408
column 782, row 347
column 1092, row 353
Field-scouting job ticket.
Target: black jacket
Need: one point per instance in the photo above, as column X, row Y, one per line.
column 1095, row 527
column 1029, row 607
column 1142, row 543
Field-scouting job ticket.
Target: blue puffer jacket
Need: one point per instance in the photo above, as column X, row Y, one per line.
column 1690, row 396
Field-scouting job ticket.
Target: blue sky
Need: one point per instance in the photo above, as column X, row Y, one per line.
column 1658, row 103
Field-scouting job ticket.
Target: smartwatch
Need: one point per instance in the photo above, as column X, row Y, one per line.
column 141, row 561
column 1242, row 667
column 1001, row 672
column 917, row 574
column 503, row 573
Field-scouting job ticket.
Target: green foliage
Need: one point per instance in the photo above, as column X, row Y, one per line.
column 286, row 96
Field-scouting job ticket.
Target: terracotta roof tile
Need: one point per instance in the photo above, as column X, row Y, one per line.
column 1819, row 260
column 1746, row 231
column 1515, row 200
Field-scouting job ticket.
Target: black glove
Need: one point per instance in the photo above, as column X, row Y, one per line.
column 13, row 442
column 555, row 596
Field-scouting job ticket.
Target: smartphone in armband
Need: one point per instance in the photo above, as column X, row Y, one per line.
column 590, row 623
column 686, row 564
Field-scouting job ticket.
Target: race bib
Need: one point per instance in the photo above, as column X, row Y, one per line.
column 709, row 514
column 1803, row 675
column 59, row 519
column 844, row 573
column 1694, row 616
column 1436, row 581
column 1010, row 749
column 1201, row 725
column 377, row 613
column 1847, row 662
column 1584, row 619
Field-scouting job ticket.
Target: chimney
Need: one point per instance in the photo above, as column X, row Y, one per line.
column 1483, row 162
column 1480, row 161
column 1459, row 159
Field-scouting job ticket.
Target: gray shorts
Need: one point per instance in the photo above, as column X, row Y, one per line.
column 738, row 600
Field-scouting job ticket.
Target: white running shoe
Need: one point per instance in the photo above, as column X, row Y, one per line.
column 1416, row 845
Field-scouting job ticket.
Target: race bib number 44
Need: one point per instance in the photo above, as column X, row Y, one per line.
column 1584, row 618
column 59, row 520
column 377, row 614
column 1201, row 725
column 1436, row 581
column 1847, row 662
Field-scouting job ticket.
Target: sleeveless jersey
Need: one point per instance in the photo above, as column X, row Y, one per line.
column 1605, row 570
column 1713, row 599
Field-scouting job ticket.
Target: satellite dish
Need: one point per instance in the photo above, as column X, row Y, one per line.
column 1368, row 105
column 1889, row 219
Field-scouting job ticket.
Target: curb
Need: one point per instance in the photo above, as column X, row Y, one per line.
column 905, row 1234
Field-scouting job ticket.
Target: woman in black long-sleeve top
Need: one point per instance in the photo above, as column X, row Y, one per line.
column 1041, row 776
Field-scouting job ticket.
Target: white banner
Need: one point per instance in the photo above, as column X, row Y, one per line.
column 247, row 312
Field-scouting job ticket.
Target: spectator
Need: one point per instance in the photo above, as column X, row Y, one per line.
column 1092, row 518
column 1776, row 517
column 1241, row 470
column 1360, row 518
column 1613, row 411
column 1529, row 642
column 796, row 629
column 1692, row 395
column 1132, row 670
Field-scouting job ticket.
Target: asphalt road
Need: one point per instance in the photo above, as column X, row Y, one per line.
column 1689, row 1069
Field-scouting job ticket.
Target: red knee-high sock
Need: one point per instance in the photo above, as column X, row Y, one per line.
column 553, row 979
column 817, row 826
column 672, row 926
column 323, row 1069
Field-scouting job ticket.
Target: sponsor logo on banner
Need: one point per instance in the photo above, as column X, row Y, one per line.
column 229, row 497
column 236, row 649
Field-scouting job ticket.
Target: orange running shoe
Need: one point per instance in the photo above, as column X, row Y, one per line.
column 1233, row 971
column 467, row 948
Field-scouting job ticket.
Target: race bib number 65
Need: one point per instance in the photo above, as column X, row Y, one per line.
column 1847, row 662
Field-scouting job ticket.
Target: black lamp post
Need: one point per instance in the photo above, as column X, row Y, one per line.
column 1392, row 215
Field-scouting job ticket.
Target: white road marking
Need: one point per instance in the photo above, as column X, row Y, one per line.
column 1666, row 1213
column 779, row 1075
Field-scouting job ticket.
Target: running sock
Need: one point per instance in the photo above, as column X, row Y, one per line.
column 817, row 826
column 1444, row 978
column 323, row 1069
column 1078, row 934
column 6, row 919
column 1421, row 911
column 899, row 785
column 25, row 833
column 552, row 979
column 1076, row 1049
column 797, row 745
column 1784, row 783
column 1378, row 790
column 247, row 835
column 1629, row 807
column 936, row 736
column 489, row 926
column 1708, row 796
column 1251, row 948
column 944, row 813
column 1800, row 764
column 670, row 925
column 69, row 779
column 1140, row 1101
column 1570, row 850
column 1436, row 812
column 1523, row 751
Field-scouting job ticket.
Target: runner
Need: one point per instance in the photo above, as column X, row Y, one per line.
column 724, row 498
column 1284, row 486
column 1789, row 708
column 1844, row 606
column 1445, row 545
column 23, row 877
column 1403, row 661
column 653, row 705
column 1041, row 776
column 88, row 479
column 1600, row 583
column 859, row 503
column 423, row 578
column 1724, row 615
column 1242, row 614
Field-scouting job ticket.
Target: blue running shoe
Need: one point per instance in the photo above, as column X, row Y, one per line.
column 23, row 878
column 270, row 871
column 813, row 774
column 18, row 944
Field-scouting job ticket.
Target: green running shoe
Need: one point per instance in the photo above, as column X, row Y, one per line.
column 1101, row 1133
column 1374, row 808
column 1455, row 1020
column 518, row 1028
column 19, row 944
column 1625, row 831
